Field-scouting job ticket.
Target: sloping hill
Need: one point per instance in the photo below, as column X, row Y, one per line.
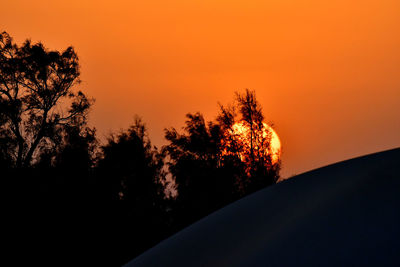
column 347, row 213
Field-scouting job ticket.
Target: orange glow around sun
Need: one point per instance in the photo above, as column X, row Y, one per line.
column 242, row 132
column 313, row 64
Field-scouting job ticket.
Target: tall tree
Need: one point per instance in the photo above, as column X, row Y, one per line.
column 215, row 163
column 37, row 100
column 251, row 116
column 202, row 181
column 134, row 166
column 132, row 181
column 248, row 137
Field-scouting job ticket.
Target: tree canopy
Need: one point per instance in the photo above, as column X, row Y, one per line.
column 248, row 137
column 34, row 81
column 212, row 164
column 135, row 193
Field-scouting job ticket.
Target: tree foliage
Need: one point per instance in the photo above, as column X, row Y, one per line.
column 121, row 186
column 134, row 166
column 202, row 184
column 36, row 98
column 213, row 164
column 248, row 137
column 132, row 180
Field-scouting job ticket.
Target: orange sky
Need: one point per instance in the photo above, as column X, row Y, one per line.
column 327, row 73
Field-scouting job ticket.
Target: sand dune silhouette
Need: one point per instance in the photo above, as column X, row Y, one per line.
column 342, row 214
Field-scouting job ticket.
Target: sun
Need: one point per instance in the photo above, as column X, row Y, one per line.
column 242, row 131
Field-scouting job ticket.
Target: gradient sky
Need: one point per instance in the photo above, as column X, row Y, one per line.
column 327, row 73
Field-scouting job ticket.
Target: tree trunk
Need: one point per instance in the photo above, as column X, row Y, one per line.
column 34, row 145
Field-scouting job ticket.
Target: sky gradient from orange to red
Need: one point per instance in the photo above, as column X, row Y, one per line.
column 327, row 73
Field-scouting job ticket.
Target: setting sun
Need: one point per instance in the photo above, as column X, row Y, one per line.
column 242, row 131
column 157, row 122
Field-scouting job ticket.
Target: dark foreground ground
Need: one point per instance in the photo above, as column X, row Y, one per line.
column 345, row 214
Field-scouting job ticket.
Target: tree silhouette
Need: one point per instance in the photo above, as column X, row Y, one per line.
column 33, row 84
column 135, row 165
column 202, row 180
column 248, row 137
column 121, row 186
column 212, row 164
column 132, row 181
column 78, row 150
